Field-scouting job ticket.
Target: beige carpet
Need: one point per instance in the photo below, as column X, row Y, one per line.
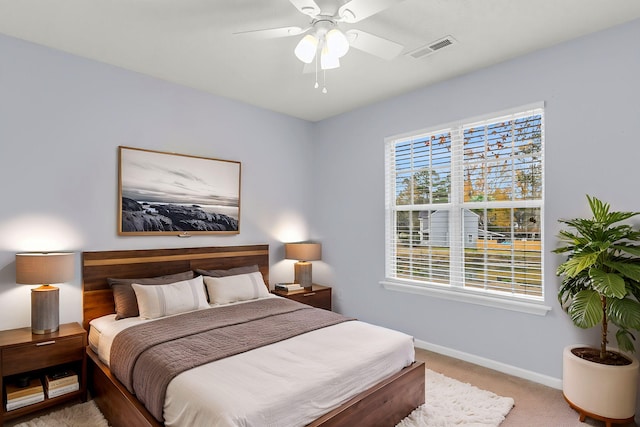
column 535, row 404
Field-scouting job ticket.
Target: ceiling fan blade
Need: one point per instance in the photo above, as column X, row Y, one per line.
column 308, row 7
column 366, row 42
column 357, row 10
column 272, row 33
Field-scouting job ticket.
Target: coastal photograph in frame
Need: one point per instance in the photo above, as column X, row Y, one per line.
column 177, row 194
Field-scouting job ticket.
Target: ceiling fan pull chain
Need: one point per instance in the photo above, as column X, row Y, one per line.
column 324, row 81
column 316, row 85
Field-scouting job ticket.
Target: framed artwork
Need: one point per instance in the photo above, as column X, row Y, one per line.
column 176, row 194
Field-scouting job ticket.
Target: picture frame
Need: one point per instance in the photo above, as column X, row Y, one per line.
column 161, row 193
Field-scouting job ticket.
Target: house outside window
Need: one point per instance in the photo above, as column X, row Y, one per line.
column 464, row 206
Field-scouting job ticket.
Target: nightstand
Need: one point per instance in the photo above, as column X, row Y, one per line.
column 318, row 296
column 22, row 352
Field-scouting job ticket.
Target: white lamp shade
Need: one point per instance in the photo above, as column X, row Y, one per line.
column 306, row 49
column 328, row 61
column 337, row 43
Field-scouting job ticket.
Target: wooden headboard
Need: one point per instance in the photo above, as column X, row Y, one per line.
column 97, row 297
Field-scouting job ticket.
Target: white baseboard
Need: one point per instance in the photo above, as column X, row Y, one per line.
column 491, row 364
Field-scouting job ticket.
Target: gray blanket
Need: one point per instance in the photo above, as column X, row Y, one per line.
column 146, row 357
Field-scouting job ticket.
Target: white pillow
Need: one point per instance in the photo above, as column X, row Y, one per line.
column 163, row 300
column 241, row 287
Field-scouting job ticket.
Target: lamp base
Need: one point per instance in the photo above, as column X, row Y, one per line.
column 45, row 309
column 302, row 273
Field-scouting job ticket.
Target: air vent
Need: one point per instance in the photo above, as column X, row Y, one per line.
column 432, row 47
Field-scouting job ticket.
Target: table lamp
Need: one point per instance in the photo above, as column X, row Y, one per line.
column 44, row 269
column 303, row 252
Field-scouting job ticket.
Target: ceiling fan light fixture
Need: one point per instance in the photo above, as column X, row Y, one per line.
column 328, row 60
column 306, row 49
column 337, row 42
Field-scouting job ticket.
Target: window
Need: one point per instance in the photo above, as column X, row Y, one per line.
column 464, row 206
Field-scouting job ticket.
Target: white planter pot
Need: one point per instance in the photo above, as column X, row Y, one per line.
column 600, row 391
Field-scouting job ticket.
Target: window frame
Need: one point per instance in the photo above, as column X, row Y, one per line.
column 457, row 291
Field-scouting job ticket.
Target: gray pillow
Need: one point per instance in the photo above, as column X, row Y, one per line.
column 125, row 298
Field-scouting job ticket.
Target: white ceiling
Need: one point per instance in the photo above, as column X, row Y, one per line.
column 191, row 42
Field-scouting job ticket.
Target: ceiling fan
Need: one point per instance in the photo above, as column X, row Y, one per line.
column 324, row 39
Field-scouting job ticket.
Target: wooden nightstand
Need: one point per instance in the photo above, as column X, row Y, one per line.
column 318, row 296
column 22, row 352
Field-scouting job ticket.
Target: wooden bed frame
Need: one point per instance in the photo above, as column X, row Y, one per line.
column 384, row 404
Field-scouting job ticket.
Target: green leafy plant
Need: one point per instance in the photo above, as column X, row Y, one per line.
column 601, row 276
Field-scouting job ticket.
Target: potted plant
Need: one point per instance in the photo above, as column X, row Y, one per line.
column 601, row 286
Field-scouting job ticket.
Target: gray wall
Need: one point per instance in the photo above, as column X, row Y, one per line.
column 591, row 91
column 61, row 121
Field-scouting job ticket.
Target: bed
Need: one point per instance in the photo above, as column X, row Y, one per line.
column 383, row 403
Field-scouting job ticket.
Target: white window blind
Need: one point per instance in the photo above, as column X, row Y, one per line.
column 464, row 205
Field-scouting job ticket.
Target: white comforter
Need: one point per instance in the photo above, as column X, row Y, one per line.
column 289, row 383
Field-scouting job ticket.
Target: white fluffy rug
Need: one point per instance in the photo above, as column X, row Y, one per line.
column 449, row 403
column 453, row 403
column 80, row 415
